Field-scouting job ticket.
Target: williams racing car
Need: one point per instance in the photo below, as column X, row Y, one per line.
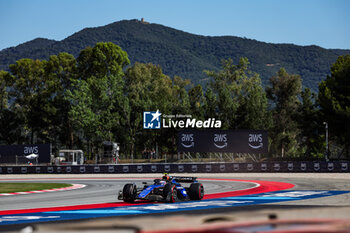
column 167, row 189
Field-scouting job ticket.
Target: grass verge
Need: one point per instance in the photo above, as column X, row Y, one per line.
column 23, row 187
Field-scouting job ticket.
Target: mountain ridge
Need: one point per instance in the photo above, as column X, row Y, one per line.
column 185, row 54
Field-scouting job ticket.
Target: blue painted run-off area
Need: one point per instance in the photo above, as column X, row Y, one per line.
column 154, row 208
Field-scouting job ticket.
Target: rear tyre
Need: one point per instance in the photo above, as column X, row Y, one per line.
column 170, row 193
column 196, row 191
column 129, row 193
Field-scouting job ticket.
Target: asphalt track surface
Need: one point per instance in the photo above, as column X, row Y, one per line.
column 104, row 188
column 97, row 190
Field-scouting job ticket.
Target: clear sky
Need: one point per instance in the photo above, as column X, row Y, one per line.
column 303, row 22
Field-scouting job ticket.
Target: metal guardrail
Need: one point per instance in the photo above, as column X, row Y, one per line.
column 300, row 166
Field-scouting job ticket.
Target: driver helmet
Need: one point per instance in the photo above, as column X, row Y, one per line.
column 166, row 176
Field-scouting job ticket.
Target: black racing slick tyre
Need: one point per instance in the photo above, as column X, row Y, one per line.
column 129, row 193
column 196, row 191
column 170, row 193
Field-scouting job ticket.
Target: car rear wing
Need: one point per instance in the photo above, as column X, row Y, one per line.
column 182, row 179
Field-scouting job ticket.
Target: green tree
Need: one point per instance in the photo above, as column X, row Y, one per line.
column 180, row 104
column 10, row 122
column 196, row 98
column 4, row 112
column 80, row 113
column 240, row 98
column 310, row 125
column 210, row 104
column 98, row 100
column 334, row 99
column 253, row 109
column 104, row 59
column 3, row 91
column 284, row 92
column 61, row 70
column 36, row 92
column 147, row 89
column 180, row 99
column 225, row 84
column 31, row 92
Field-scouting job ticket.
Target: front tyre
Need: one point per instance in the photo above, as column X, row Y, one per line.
column 170, row 193
column 196, row 191
column 129, row 193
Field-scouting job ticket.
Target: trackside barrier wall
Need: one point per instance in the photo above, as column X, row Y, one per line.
column 12, row 153
column 337, row 166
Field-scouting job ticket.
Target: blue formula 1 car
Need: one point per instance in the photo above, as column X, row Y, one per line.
column 167, row 189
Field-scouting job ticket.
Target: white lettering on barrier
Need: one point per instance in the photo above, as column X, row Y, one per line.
column 255, row 138
column 220, row 140
column 31, row 150
column 187, row 138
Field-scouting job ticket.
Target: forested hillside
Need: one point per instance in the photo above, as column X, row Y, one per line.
column 99, row 96
column 184, row 54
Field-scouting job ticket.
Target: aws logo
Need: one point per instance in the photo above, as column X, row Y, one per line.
column 31, row 150
column 220, row 140
column 187, row 140
column 255, row 141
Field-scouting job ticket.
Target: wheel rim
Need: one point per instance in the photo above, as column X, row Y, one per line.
column 201, row 192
